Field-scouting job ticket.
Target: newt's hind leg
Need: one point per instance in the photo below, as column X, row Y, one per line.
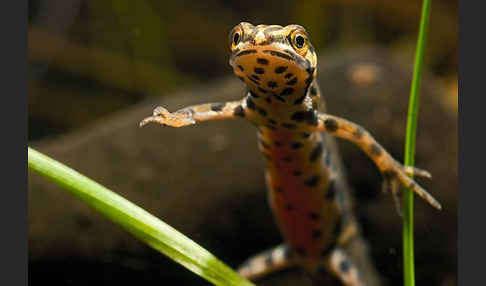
column 339, row 265
column 262, row 264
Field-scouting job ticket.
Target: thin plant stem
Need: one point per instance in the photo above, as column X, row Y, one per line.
column 408, row 249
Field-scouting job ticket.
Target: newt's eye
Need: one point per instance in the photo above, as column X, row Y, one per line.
column 235, row 36
column 299, row 42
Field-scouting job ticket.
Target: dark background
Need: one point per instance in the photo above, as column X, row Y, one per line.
column 103, row 56
column 92, row 60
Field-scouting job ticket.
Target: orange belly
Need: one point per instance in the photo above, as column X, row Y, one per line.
column 297, row 189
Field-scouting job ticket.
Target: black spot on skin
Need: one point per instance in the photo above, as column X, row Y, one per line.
column 262, row 90
column 278, row 143
column 314, row 216
column 217, row 106
column 313, row 91
column 358, row 133
column 316, row 152
column 269, row 260
column 310, row 71
column 239, row 111
column 287, row 159
column 259, row 70
column 376, row 150
column 246, row 52
column 300, row 251
column 289, row 75
column 289, row 125
column 297, row 173
column 326, row 251
column 344, row 266
column 252, row 94
column 316, row 234
column 278, row 97
column 296, row 145
column 331, row 190
column 253, row 80
column 331, row 124
column 280, row 55
column 250, row 104
column 312, row 181
column 338, row 227
column 287, row 91
column 308, row 80
column 262, row 111
column 289, row 207
column 265, row 145
column 299, row 100
column 281, row 69
column 327, row 159
column 262, row 61
column 292, row 81
column 272, row 121
column 309, row 117
column 255, row 77
column 241, row 68
column 305, row 135
column 268, row 100
column 290, row 53
column 272, row 84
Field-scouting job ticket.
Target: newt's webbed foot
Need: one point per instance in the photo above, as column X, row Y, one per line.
column 399, row 175
column 162, row 116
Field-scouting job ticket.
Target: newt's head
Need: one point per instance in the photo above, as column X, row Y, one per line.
column 272, row 59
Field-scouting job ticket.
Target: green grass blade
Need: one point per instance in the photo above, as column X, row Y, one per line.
column 137, row 221
column 408, row 251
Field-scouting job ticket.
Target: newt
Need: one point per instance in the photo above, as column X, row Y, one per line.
column 278, row 66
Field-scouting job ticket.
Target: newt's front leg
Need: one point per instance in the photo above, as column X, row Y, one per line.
column 196, row 113
column 392, row 170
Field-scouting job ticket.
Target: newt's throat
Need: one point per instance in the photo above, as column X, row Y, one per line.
column 273, row 73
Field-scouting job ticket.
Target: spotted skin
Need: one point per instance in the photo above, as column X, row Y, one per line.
column 278, row 66
column 272, row 260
